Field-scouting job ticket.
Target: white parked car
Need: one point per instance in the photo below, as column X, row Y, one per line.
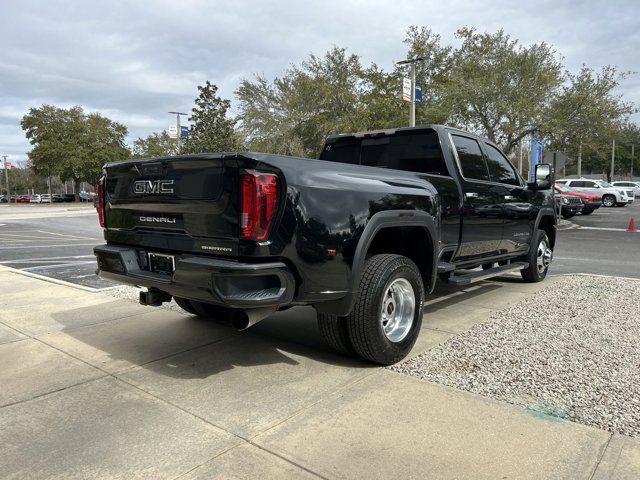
column 35, row 199
column 45, row 198
column 611, row 196
column 635, row 186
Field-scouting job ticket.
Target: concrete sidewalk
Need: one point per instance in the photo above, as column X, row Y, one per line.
column 92, row 387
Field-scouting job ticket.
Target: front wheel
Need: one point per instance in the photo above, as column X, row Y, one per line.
column 539, row 259
column 609, row 200
column 386, row 319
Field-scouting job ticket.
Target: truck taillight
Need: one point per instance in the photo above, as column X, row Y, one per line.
column 258, row 204
column 100, row 203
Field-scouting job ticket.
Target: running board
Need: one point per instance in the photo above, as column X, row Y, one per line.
column 473, row 277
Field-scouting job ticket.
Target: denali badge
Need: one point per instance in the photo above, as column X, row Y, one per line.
column 215, row 248
column 158, row 219
column 153, row 186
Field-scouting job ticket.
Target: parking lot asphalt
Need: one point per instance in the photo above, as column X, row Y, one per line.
column 53, row 241
column 602, row 245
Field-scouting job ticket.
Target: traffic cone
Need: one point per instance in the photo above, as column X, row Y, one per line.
column 632, row 226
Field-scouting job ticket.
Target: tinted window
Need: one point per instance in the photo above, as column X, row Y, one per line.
column 470, row 156
column 577, row 184
column 414, row 152
column 500, row 170
column 588, row 184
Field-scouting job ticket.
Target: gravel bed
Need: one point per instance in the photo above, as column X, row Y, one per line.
column 572, row 351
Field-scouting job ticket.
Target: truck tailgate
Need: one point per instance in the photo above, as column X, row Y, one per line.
column 182, row 203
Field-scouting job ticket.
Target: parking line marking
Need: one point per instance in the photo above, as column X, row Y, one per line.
column 26, row 260
column 50, row 246
column 60, row 282
column 68, row 236
column 57, row 265
column 606, row 229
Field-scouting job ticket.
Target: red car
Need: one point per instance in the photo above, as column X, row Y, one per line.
column 591, row 201
column 23, row 198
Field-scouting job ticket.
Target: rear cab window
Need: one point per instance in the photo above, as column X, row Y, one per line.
column 471, row 159
column 500, row 169
column 418, row 152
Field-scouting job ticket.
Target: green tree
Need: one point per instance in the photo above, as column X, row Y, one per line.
column 587, row 114
column 72, row 144
column 211, row 130
column 155, row 145
column 500, row 88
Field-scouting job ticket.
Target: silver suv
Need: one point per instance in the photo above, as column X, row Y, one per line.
column 635, row 186
column 611, row 196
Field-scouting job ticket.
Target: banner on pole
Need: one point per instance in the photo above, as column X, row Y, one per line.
column 418, row 92
column 406, row 89
column 535, row 155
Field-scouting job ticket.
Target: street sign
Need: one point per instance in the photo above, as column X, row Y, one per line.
column 406, row 89
column 418, row 92
column 173, row 131
column 2, row 166
column 184, row 132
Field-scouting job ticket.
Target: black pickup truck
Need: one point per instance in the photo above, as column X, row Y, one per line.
column 361, row 234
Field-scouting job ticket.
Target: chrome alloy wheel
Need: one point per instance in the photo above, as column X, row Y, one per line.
column 544, row 256
column 398, row 309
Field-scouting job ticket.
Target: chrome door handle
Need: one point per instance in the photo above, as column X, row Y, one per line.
column 471, row 195
column 509, row 197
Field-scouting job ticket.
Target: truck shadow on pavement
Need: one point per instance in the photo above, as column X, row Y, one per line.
column 180, row 345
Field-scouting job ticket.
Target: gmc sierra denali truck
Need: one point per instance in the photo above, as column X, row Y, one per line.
column 362, row 234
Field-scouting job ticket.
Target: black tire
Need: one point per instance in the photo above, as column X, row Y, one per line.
column 335, row 332
column 365, row 320
column 587, row 211
column 608, row 200
column 487, row 266
column 531, row 274
column 211, row 312
column 568, row 215
column 186, row 305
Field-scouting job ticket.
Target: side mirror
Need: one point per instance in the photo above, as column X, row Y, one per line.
column 543, row 176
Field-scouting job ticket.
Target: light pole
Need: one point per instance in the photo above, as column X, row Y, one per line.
column 6, row 177
column 178, row 132
column 613, row 158
column 412, row 62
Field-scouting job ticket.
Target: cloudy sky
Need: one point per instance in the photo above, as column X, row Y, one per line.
column 136, row 60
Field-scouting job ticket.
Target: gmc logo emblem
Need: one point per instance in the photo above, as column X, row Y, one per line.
column 153, row 186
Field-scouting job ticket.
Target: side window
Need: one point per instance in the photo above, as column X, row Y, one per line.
column 589, row 184
column 500, row 170
column 578, row 184
column 470, row 155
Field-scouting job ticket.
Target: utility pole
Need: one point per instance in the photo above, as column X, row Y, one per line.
column 632, row 155
column 412, row 111
column 613, row 158
column 178, row 132
column 580, row 159
column 6, row 177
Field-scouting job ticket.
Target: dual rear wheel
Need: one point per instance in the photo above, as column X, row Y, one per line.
column 386, row 318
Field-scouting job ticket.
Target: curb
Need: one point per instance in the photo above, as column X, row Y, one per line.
column 566, row 225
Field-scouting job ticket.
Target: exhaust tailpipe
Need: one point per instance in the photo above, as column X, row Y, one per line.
column 243, row 319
